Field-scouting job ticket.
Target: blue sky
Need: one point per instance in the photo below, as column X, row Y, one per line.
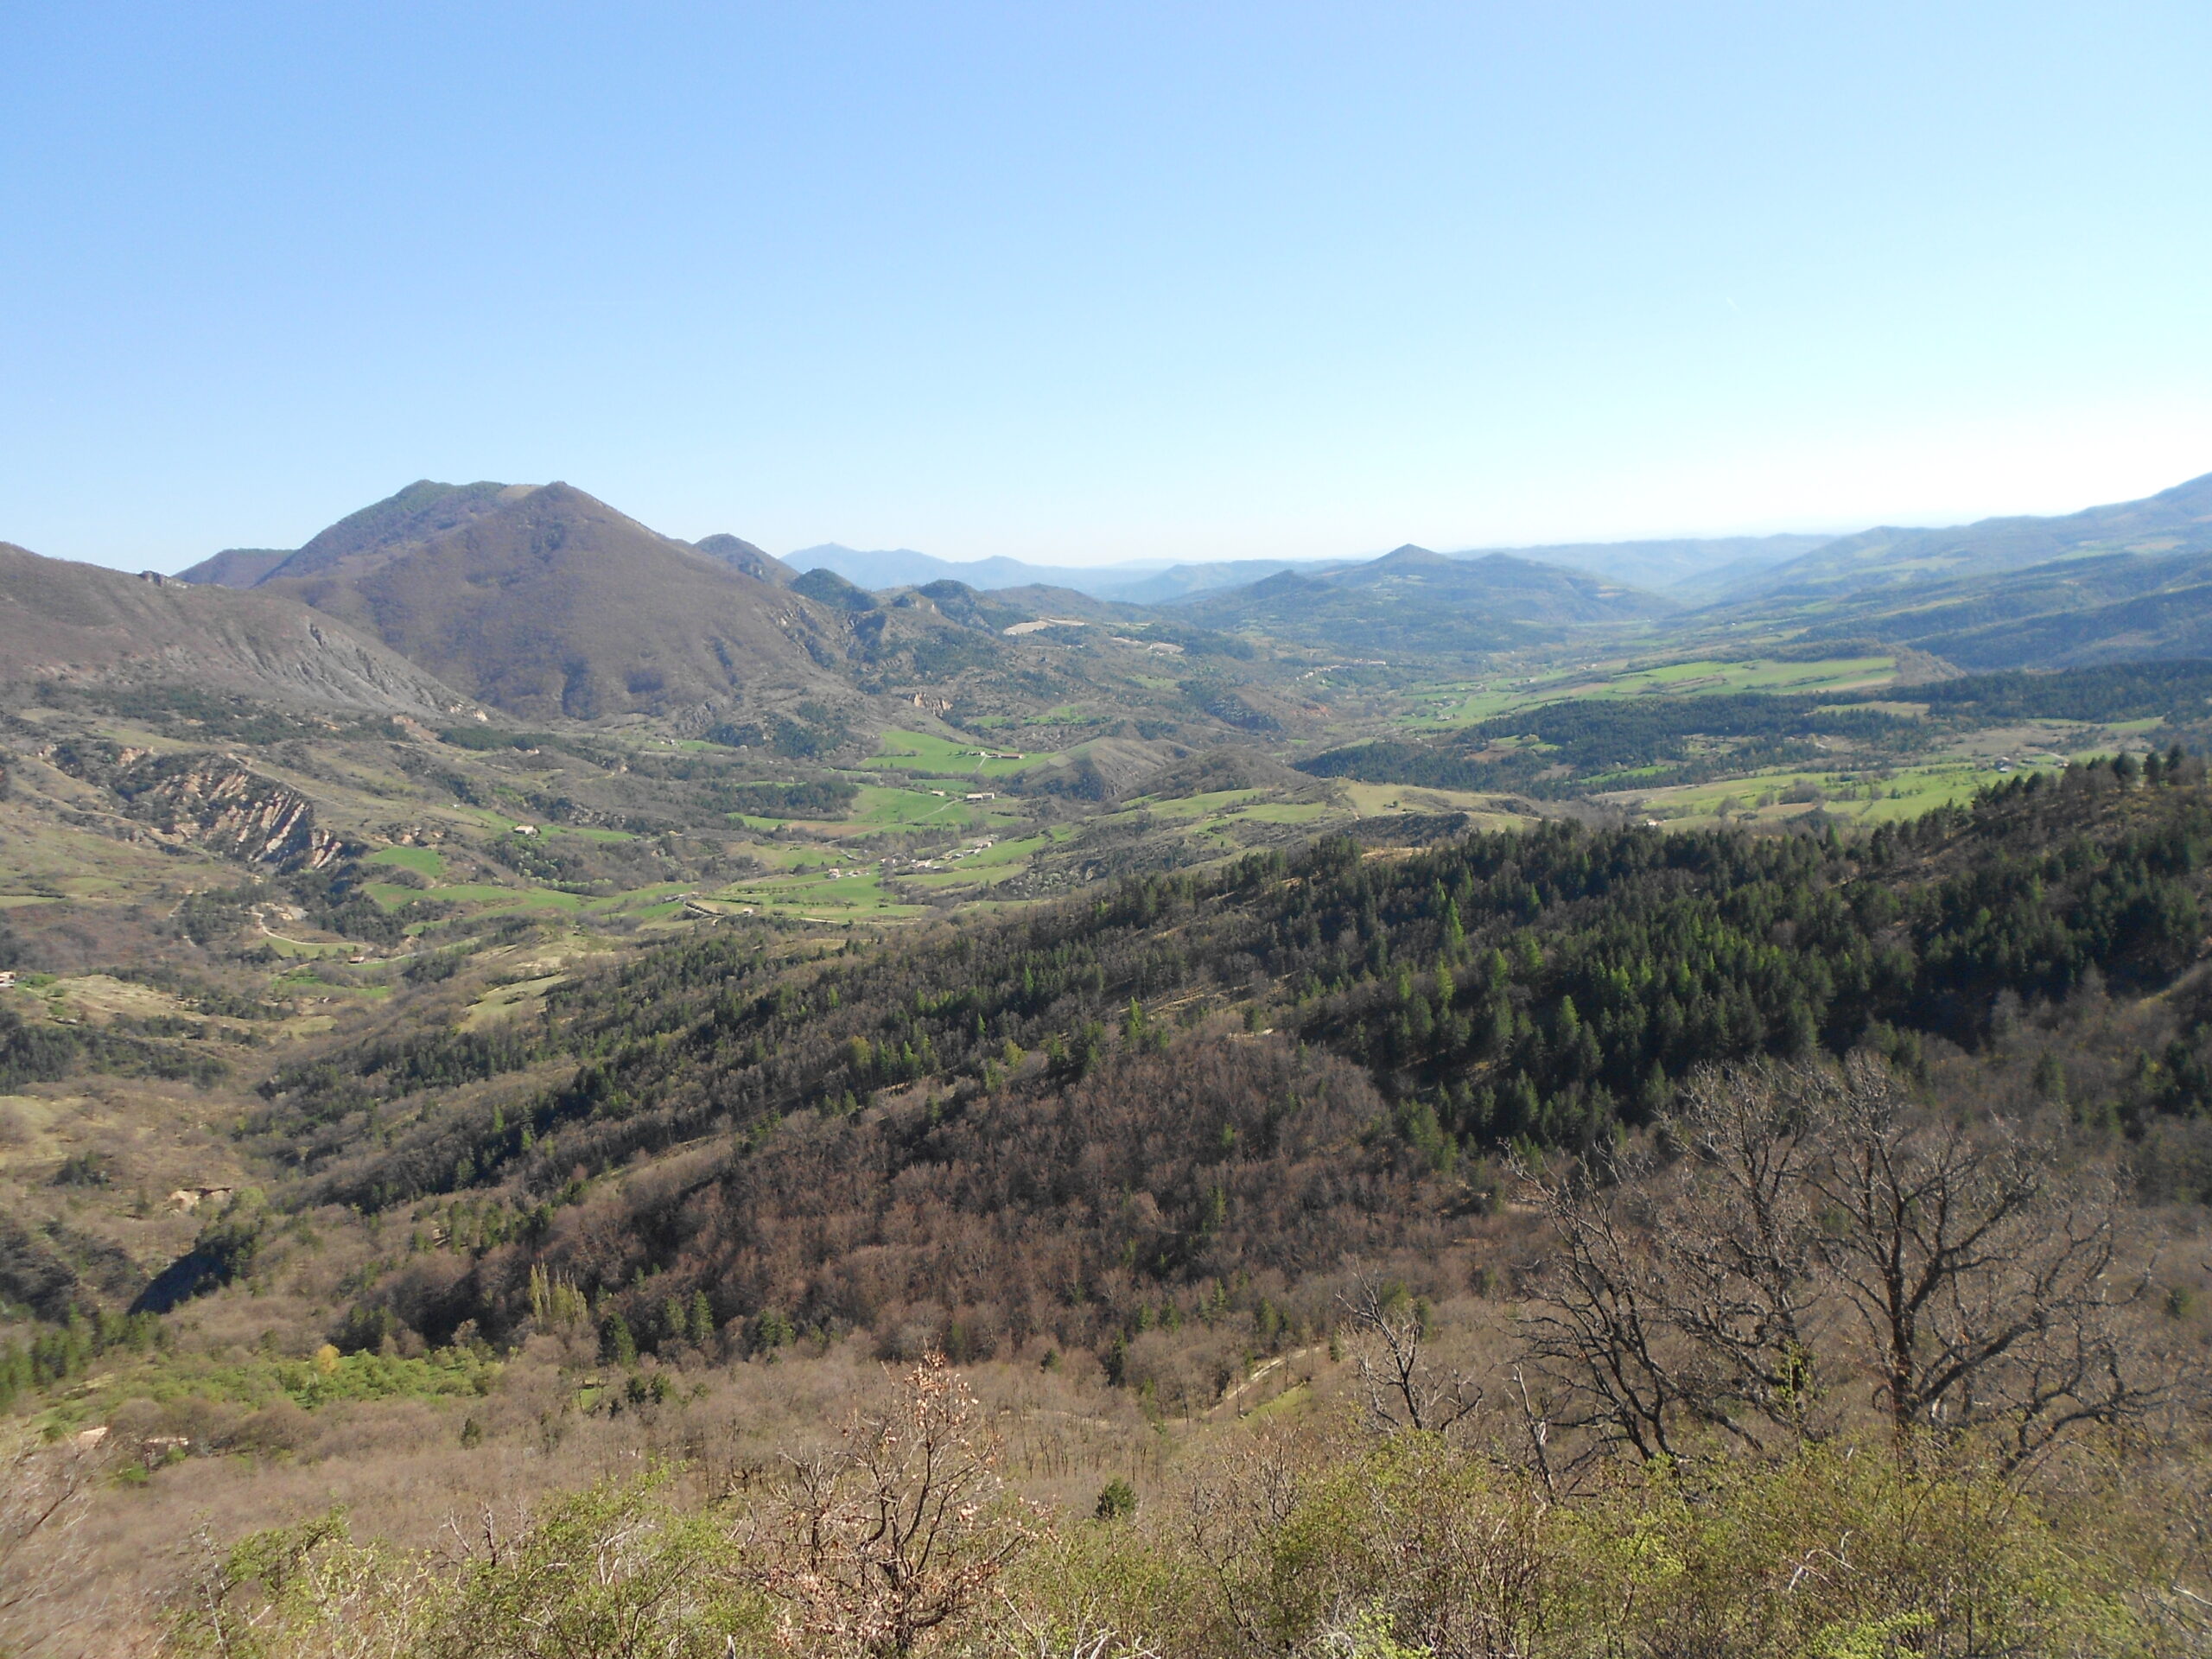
column 1079, row 282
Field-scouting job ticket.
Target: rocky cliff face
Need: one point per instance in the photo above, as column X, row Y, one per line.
column 214, row 802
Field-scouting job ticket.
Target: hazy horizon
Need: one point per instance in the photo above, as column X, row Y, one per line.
column 1107, row 559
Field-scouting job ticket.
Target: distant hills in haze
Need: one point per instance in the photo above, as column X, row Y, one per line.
column 1654, row 564
column 1132, row 582
column 2109, row 607
column 2174, row 521
column 2131, row 579
column 1692, row 571
column 544, row 602
column 1413, row 601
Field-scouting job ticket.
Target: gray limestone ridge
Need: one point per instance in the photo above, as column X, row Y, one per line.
column 82, row 624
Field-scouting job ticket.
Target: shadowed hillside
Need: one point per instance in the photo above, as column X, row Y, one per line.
column 741, row 555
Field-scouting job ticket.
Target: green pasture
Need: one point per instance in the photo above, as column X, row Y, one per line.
column 878, row 808
column 638, row 898
column 1906, row 793
column 966, row 873
column 1467, row 703
column 484, row 893
column 423, row 861
column 1283, row 811
column 1197, row 806
column 931, row 756
column 856, row 890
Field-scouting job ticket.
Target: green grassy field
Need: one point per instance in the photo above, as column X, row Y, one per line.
column 1906, row 793
column 423, row 861
column 484, row 893
column 1463, row 703
column 878, row 808
column 844, row 893
column 1282, row 812
column 1378, row 800
column 1197, row 806
column 938, row 757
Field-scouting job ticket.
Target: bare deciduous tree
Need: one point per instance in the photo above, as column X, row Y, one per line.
column 1980, row 1268
column 1682, row 1294
column 900, row 1531
column 1818, row 1224
column 1402, row 1388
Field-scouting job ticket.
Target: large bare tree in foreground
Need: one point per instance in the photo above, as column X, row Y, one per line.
column 1821, row 1242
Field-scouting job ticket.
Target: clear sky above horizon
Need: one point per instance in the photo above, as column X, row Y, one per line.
column 1079, row 282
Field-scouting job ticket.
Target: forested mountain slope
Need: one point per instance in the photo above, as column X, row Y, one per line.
column 981, row 1114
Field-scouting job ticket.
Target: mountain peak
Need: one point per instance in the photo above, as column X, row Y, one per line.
column 544, row 600
column 424, row 508
column 742, row 555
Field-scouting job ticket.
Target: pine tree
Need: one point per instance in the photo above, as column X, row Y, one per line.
column 616, row 1343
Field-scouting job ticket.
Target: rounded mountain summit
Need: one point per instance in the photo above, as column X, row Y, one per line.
column 545, row 601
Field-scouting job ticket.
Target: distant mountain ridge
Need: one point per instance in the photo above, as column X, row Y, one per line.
column 1651, row 564
column 902, row 567
column 1416, row 601
column 545, row 601
column 2174, row 521
column 1677, row 566
column 2072, row 612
